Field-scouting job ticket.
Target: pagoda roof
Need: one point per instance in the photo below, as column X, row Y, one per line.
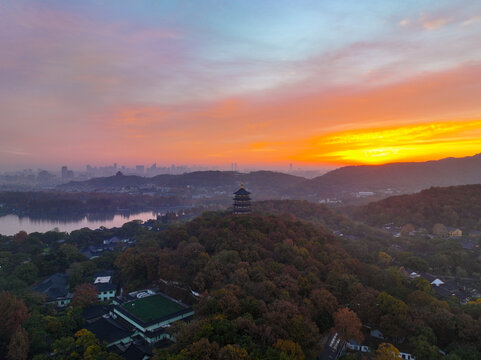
column 242, row 191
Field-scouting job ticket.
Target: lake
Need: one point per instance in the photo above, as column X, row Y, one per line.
column 12, row 224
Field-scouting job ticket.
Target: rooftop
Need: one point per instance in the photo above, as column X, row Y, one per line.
column 103, row 280
column 242, row 191
column 108, row 330
column 152, row 307
column 55, row 286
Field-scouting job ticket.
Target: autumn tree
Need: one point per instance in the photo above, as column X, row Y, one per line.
column 233, row 352
column 384, row 258
column 85, row 338
column 20, row 237
column 202, row 350
column 348, row 325
column 290, row 348
column 13, row 313
column 386, row 351
column 322, row 305
column 19, row 345
column 394, row 314
column 85, row 295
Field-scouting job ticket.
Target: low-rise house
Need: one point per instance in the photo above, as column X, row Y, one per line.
column 446, row 288
column 468, row 244
column 454, row 232
column 377, row 334
column 56, row 290
column 138, row 319
column 106, row 288
column 333, row 349
column 136, row 350
column 113, row 241
column 371, row 343
column 475, row 233
column 94, row 313
column 111, row 331
column 150, row 313
column 92, row 251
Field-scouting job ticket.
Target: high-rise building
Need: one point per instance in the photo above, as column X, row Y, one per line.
column 139, row 169
column 64, row 172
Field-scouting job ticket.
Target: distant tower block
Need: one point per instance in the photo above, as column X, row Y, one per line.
column 242, row 201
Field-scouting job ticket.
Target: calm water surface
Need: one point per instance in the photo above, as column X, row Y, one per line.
column 12, row 224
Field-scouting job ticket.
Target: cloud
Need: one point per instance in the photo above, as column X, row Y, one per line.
column 433, row 24
column 471, row 20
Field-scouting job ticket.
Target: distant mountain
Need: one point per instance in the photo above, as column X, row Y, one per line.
column 397, row 177
column 456, row 206
column 263, row 184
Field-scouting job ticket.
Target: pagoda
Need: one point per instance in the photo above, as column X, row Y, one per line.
column 242, row 201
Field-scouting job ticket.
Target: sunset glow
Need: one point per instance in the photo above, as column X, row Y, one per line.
column 260, row 84
column 416, row 142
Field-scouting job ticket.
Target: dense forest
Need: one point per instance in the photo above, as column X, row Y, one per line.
column 456, row 206
column 270, row 288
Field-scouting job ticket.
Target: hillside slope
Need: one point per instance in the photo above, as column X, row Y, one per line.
column 403, row 177
column 457, row 206
column 263, row 183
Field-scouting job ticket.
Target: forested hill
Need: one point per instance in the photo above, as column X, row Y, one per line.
column 260, row 182
column 318, row 214
column 405, row 177
column 456, row 206
column 271, row 287
column 266, row 278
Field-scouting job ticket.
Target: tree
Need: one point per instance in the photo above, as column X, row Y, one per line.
column 64, row 346
column 440, row 229
column 85, row 338
column 20, row 237
column 384, row 258
column 423, row 349
column 18, row 346
column 386, row 351
column 85, row 295
column 233, row 352
column 13, row 313
column 348, row 325
column 290, row 348
column 27, row 272
column 202, row 350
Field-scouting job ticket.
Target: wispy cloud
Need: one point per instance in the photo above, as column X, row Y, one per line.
column 472, row 20
column 433, row 24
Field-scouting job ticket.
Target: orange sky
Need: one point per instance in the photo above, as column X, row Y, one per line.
column 430, row 116
column 319, row 84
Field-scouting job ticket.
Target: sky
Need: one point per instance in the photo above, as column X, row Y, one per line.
column 260, row 83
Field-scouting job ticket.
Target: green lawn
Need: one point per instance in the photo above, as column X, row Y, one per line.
column 152, row 307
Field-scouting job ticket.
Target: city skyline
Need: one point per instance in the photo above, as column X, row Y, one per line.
column 317, row 84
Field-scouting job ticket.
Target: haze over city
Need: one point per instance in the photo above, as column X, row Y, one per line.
column 265, row 84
